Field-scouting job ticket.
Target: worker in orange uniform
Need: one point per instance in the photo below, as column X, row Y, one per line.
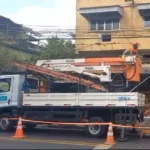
column 132, row 51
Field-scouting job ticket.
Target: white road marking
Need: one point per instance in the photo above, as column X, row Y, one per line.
column 102, row 147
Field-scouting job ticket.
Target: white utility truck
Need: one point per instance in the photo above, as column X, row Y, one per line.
column 66, row 100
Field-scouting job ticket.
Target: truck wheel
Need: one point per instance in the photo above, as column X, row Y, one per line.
column 5, row 123
column 96, row 130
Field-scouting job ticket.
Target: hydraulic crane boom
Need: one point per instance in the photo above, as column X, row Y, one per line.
column 103, row 71
column 61, row 75
column 130, row 66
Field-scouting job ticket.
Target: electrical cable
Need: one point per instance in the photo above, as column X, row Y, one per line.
column 139, row 84
column 68, row 29
column 54, row 26
column 39, row 39
column 133, row 73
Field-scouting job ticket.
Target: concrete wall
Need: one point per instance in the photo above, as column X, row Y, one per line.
column 131, row 24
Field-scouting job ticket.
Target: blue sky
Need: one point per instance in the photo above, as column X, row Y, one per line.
column 14, row 5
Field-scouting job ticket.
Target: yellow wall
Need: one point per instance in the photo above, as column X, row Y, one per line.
column 128, row 26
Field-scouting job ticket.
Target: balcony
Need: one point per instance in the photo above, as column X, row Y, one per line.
column 102, row 12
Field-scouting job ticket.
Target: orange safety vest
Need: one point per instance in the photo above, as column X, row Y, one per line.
column 132, row 50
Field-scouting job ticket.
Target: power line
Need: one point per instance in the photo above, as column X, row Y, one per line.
column 60, row 27
column 54, row 26
column 78, row 38
column 79, row 34
column 46, row 33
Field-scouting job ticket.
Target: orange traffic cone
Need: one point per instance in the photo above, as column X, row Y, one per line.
column 110, row 136
column 19, row 131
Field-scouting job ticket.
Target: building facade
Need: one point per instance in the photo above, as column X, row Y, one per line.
column 108, row 27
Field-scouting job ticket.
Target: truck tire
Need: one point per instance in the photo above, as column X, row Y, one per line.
column 97, row 130
column 5, row 123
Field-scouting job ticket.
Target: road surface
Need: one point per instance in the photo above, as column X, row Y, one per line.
column 68, row 139
column 50, row 139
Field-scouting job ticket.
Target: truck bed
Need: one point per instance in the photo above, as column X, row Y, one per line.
column 122, row 99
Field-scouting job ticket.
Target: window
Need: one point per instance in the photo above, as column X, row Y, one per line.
column 115, row 24
column 5, row 85
column 147, row 21
column 107, row 24
column 93, row 25
column 100, row 25
column 106, row 38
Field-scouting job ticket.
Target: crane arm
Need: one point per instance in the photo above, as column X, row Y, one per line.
column 130, row 66
column 60, row 75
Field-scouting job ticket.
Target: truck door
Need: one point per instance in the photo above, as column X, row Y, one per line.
column 6, row 89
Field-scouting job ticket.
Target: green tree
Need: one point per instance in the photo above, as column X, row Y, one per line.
column 6, row 59
column 57, row 49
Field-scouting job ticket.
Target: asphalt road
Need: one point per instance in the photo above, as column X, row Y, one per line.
column 134, row 140
column 50, row 139
column 68, row 139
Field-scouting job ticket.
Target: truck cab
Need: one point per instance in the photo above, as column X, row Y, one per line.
column 11, row 88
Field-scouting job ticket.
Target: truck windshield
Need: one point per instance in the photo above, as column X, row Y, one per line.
column 5, row 85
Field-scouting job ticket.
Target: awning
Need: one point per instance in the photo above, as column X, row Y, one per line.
column 102, row 12
column 144, row 9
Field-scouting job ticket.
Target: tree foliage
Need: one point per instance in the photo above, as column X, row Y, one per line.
column 57, row 49
column 54, row 49
column 6, row 59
